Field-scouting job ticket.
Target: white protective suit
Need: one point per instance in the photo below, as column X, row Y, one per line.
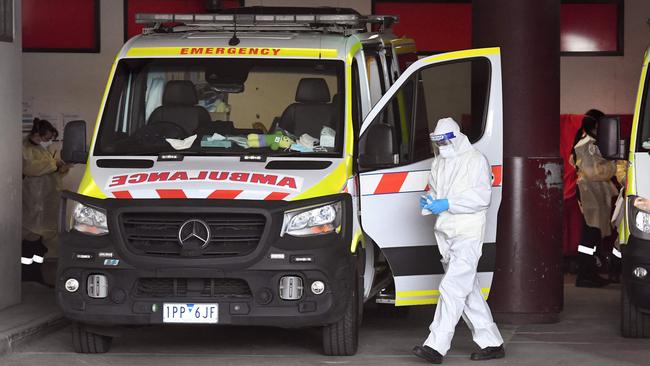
column 464, row 179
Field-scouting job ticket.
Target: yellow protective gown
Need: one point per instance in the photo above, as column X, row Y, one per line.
column 41, row 196
column 594, row 185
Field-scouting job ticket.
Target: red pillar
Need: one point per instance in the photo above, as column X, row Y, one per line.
column 528, row 283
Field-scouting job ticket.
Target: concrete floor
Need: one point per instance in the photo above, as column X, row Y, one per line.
column 587, row 335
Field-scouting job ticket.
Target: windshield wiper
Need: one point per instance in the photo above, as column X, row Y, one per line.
column 314, row 154
column 158, row 153
column 288, row 153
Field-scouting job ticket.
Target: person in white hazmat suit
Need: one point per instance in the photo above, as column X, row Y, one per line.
column 459, row 194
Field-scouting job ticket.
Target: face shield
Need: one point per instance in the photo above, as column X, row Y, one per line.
column 442, row 140
column 443, row 143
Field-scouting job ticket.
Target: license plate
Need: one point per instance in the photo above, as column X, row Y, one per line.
column 190, row 313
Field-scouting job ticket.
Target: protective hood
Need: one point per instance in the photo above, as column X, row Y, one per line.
column 460, row 143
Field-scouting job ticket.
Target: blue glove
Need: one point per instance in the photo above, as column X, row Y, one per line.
column 437, row 206
column 425, row 200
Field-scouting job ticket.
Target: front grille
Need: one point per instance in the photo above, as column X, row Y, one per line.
column 191, row 287
column 156, row 234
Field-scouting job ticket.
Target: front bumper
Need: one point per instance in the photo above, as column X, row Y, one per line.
column 637, row 254
column 246, row 287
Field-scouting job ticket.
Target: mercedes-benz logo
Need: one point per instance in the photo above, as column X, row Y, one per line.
column 194, row 231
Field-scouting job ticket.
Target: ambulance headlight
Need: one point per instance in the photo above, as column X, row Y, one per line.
column 643, row 221
column 312, row 220
column 89, row 220
column 638, row 211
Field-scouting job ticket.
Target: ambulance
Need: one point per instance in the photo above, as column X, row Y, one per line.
column 634, row 233
column 264, row 168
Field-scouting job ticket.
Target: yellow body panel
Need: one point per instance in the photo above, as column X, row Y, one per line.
column 631, row 177
column 87, row 186
column 463, row 54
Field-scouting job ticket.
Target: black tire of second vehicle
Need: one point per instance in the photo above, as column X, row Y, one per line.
column 84, row 341
column 634, row 323
column 342, row 338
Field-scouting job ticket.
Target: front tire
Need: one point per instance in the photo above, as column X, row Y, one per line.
column 84, row 341
column 342, row 338
column 634, row 323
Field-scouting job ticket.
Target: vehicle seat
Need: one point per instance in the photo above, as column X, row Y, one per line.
column 179, row 105
column 311, row 111
column 336, row 106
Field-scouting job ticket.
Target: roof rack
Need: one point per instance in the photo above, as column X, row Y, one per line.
column 335, row 22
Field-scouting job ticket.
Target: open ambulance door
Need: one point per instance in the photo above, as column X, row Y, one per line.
column 395, row 156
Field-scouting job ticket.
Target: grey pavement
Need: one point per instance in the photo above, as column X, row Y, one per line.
column 35, row 315
column 587, row 334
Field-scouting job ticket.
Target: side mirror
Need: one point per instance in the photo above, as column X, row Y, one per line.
column 379, row 148
column 74, row 143
column 609, row 139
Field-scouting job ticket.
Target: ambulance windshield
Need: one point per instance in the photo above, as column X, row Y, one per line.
column 232, row 106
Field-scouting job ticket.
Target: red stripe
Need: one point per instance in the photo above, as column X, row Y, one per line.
column 171, row 193
column 497, row 175
column 122, row 194
column 276, row 196
column 391, row 183
column 225, row 194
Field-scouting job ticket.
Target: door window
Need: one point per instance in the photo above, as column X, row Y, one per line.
column 397, row 114
column 457, row 89
column 375, row 76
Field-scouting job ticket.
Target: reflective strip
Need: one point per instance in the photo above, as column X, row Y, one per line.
column 143, row 194
column 201, row 194
column 276, row 196
column 415, row 181
column 425, row 297
column 391, row 183
column 26, row 261
column 418, row 293
column 122, row 194
column 232, row 52
column 616, row 252
column 497, row 175
column 586, row 250
column 225, row 194
column 37, row 259
column 416, row 302
column 171, row 193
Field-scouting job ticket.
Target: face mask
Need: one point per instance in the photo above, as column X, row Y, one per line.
column 45, row 144
column 447, row 151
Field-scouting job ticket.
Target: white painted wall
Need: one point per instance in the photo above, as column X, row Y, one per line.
column 608, row 83
column 10, row 165
column 75, row 82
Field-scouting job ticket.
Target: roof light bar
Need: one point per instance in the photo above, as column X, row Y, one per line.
column 330, row 22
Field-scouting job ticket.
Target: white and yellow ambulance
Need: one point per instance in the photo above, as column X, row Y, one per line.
column 265, row 168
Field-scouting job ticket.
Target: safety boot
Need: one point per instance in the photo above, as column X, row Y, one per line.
column 427, row 353
column 489, row 353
